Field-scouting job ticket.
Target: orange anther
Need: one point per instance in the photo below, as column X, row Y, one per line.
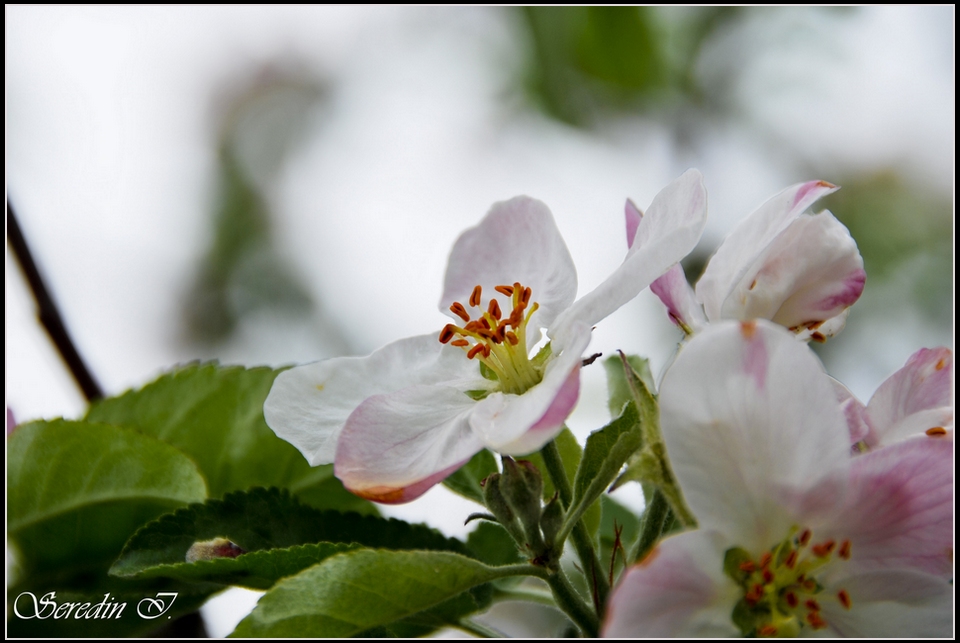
column 767, row 630
column 791, row 561
column 824, row 549
column 494, row 309
column 512, row 338
column 809, row 585
column 457, row 309
column 812, row 605
column 940, row 364
column 475, row 296
column 844, row 552
column 505, row 290
column 754, row 595
column 525, row 298
column 844, row 598
column 747, row 566
column 516, row 317
column 767, row 576
column 805, row 537
column 792, row 599
column 477, row 348
column 936, row 432
column 765, row 559
column 815, row 621
column 447, row 333
column 460, row 342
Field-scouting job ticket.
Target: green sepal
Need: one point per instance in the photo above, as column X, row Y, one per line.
column 733, row 558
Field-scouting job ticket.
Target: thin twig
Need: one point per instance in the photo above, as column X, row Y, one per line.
column 48, row 313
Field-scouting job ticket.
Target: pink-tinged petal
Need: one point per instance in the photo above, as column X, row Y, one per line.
column 899, row 509
column 751, row 426
column 677, row 295
column 811, row 272
column 915, row 399
column 518, row 241
column 667, row 233
column 633, row 216
column 396, row 446
column 522, row 424
column 11, row 421
column 551, row 423
column 678, row 590
column 892, row 603
column 309, row 405
column 749, row 240
column 853, row 411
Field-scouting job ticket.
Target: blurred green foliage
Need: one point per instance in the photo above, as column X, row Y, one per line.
column 585, row 61
column 905, row 235
column 242, row 270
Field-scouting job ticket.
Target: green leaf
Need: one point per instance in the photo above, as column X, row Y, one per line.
column 492, row 544
column 606, row 451
column 618, row 386
column 616, row 517
column 270, row 522
column 214, row 414
column 466, row 480
column 77, row 490
column 354, row 592
column 257, row 570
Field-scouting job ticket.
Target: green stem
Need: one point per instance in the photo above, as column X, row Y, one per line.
column 654, row 519
column 527, row 594
column 570, row 602
column 478, row 630
column 596, row 577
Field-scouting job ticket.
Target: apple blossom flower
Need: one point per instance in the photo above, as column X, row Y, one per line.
column 796, row 536
column 914, row 402
column 802, row 271
column 402, row 419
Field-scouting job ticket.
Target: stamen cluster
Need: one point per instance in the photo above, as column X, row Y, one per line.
column 781, row 593
column 498, row 343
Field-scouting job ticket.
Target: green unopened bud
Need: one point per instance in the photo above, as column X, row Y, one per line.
column 551, row 520
column 498, row 506
column 522, row 487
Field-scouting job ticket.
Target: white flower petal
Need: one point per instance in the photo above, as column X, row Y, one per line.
column 894, row 603
column 518, row 241
column 309, row 405
column 521, row 424
column 853, row 411
column 915, row 398
column 396, row 446
column 666, row 234
column 749, row 239
column 751, row 426
column 678, row 590
column 807, row 274
column 677, row 295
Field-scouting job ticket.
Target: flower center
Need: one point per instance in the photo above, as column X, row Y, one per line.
column 781, row 594
column 499, row 343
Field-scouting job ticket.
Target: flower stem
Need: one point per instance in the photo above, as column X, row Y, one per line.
column 570, row 602
column 477, row 629
column 656, row 517
column 596, row 578
column 529, row 594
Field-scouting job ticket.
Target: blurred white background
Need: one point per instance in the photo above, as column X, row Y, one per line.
column 374, row 136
